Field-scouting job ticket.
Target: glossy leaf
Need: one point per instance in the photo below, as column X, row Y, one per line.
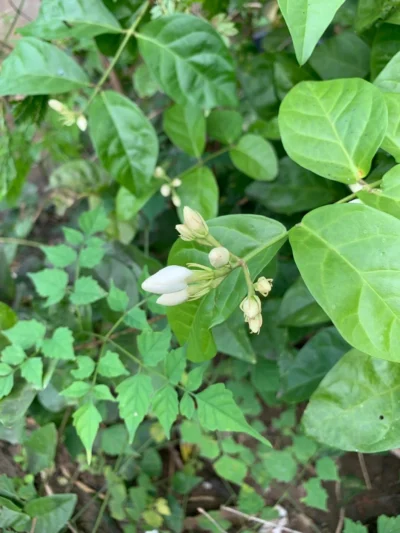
column 87, row 421
column 388, row 80
column 354, row 275
column 165, row 407
column 186, row 406
column 391, row 141
column 371, row 11
column 385, row 45
column 189, row 60
column 232, row 338
column 257, row 238
column 311, row 364
column 124, row 139
column 255, row 157
column 37, row 67
column 134, row 397
column 299, row 309
column 185, row 125
column 334, row 128
column 199, row 190
column 387, row 198
column 224, row 125
column 352, row 407
column 307, row 20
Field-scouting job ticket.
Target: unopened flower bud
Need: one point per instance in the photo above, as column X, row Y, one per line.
column 255, row 324
column 176, row 182
column 173, row 298
column 165, row 190
column 56, row 105
column 176, row 200
column 251, row 307
column 184, row 232
column 219, row 257
column 195, row 222
column 81, row 122
column 167, row 280
column 263, row 286
column 159, row 172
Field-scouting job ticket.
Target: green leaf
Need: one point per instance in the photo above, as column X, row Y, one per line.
column 32, row 371
column 199, row 190
column 50, row 283
column 86, row 291
column 94, row 221
column 342, row 56
column 77, row 389
column 255, row 157
column 186, row 406
column 217, row 410
column 280, row 465
column 231, row 469
column 6, row 384
column 127, row 205
column 124, row 139
column 134, row 398
column 8, row 318
column 391, row 141
column 256, row 237
column 14, row 407
column 85, row 367
column 304, row 448
column 144, row 82
column 51, row 512
column 41, row 448
column 295, row 190
column 385, row 45
column 388, row 524
column 316, row 494
column 37, row 67
column 224, row 125
column 13, row 355
column 347, row 255
column 165, row 407
column 73, row 236
column 185, row 126
column 91, row 256
column 352, row 407
column 136, row 318
column 80, row 177
column 299, row 309
column 388, row 80
column 5, row 369
column 371, row 11
column 175, row 364
column 353, row 527
column 189, row 60
column 334, row 128
column 327, row 469
column 102, row 392
column 78, row 18
column 307, row 21
column 195, row 377
column 153, row 346
column 232, row 338
column 387, row 198
column 27, row 334
column 86, row 421
column 60, row 346
column 117, row 300
column 110, row 366
column 60, row 256
column 311, row 365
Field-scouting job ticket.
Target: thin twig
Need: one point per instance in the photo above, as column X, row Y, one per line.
column 32, row 530
column 258, row 520
column 364, row 470
column 339, row 526
column 18, row 11
column 211, row 519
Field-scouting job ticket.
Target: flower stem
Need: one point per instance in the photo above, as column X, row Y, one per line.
column 367, row 187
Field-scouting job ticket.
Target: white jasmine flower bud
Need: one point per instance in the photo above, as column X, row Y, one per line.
column 195, row 222
column 167, row 280
column 219, row 257
column 159, row 172
column 255, row 324
column 184, row 232
column 81, row 122
column 251, row 307
column 176, row 200
column 56, row 105
column 176, row 182
column 165, row 190
column 173, row 298
column 263, row 286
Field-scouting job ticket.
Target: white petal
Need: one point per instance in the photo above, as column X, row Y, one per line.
column 169, row 279
column 174, row 298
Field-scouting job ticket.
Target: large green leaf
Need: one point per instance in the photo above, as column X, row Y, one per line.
column 295, row 190
column 387, row 198
column 124, row 139
column 51, row 512
column 71, row 18
column 391, row 142
column 189, row 60
column 371, row 11
column 334, row 128
column 199, row 190
column 307, row 20
column 185, row 125
column 255, row 157
column 385, row 45
column 311, row 364
column 348, row 256
column 37, row 67
column 389, row 79
column 299, row 309
column 252, row 237
column 354, row 407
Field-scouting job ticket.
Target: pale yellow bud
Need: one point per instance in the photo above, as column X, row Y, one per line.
column 159, row 172
column 255, row 324
column 195, row 222
column 184, row 232
column 176, row 200
column 56, row 105
column 219, row 257
column 263, row 286
column 251, row 307
column 176, row 182
column 81, row 122
column 165, row 190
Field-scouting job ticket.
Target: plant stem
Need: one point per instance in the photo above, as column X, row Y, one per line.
column 364, row 471
column 367, row 187
column 14, row 22
column 22, row 242
column 202, row 162
column 121, row 48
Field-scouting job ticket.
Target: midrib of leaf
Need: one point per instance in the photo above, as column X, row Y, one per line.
column 52, row 76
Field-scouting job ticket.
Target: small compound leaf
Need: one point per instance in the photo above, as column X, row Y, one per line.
column 154, row 345
column 316, row 494
column 60, row 346
column 86, row 291
column 50, row 283
column 175, row 364
column 134, row 398
column 231, row 469
column 327, row 469
column 186, row 406
column 32, row 371
column 110, row 366
column 13, row 355
column 94, row 221
column 165, row 407
column 117, row 300
column 60, row 256
column 77, row 389
column 87, row 421
column 26, row 334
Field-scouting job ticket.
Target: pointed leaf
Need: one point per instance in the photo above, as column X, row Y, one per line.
column 199, row 190
column 32, row 371
column 60, row 346
column 102, row 392
column 186, row 406
column 185, row 125
column 51, row 512
column 77, row 389
column 165, row 407
column 134, row 398
column 87, row 421
column 50, row 283
column 175, row 364
column 153, row 346
column 26, row 333
column 86, row 291
column 231, row 469
column 41, row 448
column 13, row 355
column 94, row 221
column 389, row 79
column 316, row 494
column 60, row 256
column 85, row 368
column 117, row 300
column 255, row 157
column 110, row 366
column 224, row 125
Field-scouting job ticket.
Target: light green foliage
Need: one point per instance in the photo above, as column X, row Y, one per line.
column 391, row 142
column 175, row 364
column 110, row 366
column 134, row 398
column 102, row 392
column 51, row 512
column 353, row 527
column 92, row 222
column 387, row 198
column 136, row 318
column 304, row 448
column 77, row 389
column 85, row 368
column 388, row 524
column 255, row 157
column 73, row 236
column 186, row 406
column 165, row 407
column 388, row 80
column 185, row 125
column 117, row 299
column 86, row 291
column 281, row 465
column 224, row 125
column 316, row 494
column 13, row 355
column 41, row 448
column 60, row 346
column 86, row 421
column 26, row 334
column 51, row 284
column 326, row 469
column 195, row 377
column 92, row 254
column 32, row 371
column 231, row 469
column 60, row 256
column 199, row 190
column 325, row 127
column 154, row 346
column 144, row 83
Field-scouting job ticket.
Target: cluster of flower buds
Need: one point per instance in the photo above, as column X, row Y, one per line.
column 194, row 227
column 251, row 307
column 69, row 117
column 263, row 286
column 169, row 188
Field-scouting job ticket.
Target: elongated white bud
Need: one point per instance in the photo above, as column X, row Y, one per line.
column 255, row 324
column 219, row 257
column 184, row 232
column 167, row 280
column 251, row 307
column 176, row 200
column 81, row 122
column 173, row 298
column 263, row 286
column 195, row 222
column 56, row 105
column 165, row 190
